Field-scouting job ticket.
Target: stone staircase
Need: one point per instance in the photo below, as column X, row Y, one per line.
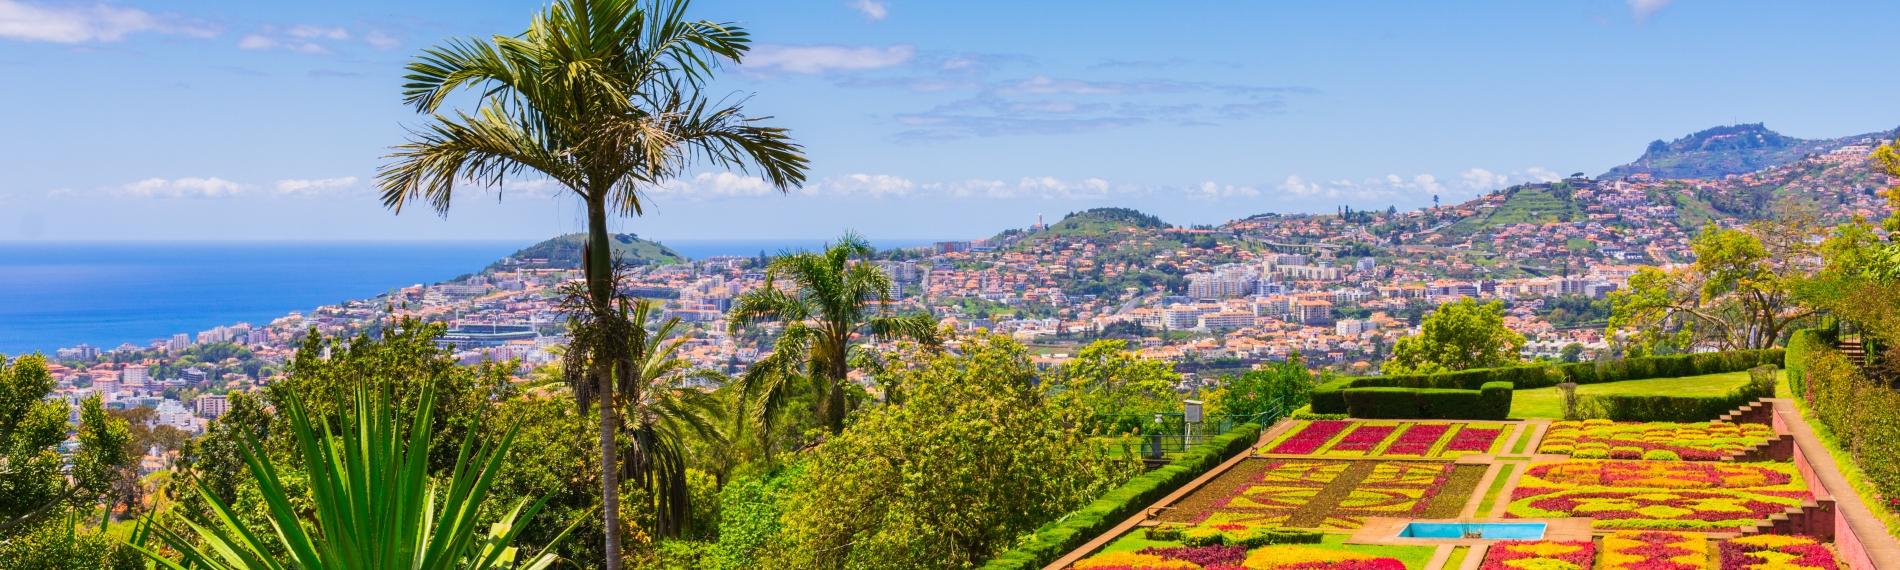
column 1814, row 518
column 1854, row 351
column 1756, row 412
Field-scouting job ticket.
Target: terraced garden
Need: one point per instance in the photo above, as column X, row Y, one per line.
column 1325, row 493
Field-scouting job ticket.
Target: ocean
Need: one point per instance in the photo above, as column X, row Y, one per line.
column 55, row 295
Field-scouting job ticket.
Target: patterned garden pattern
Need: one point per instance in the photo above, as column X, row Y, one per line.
column 1539, row 555
column 1652, row 550
column 1396, row 439
column 1318, row 493
column 1690, row 442
column 1658, row 495
column 1776, row 551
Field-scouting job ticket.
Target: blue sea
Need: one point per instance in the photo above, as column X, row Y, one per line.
column 55, row 295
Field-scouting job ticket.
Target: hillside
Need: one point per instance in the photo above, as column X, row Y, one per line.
column 1726, row 150
column 1525, row 204
column 564, row 252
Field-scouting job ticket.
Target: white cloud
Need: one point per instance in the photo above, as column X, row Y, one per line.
column 1481, row 179
column 314, row 186
column 318, row 32
column 823, row 58
column 873, row 185
column 1643, row 9
column 1541, row 174
column 1044, row 85
column 254, row 41
column 716, row 185
column 1215, row 190
column 85, row 24
column 380, row 40
column 212, row 187
column 873, row 9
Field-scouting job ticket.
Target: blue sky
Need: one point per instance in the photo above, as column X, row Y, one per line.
column 195, row 120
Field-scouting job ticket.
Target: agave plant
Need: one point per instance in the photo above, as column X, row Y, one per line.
column 375, row 504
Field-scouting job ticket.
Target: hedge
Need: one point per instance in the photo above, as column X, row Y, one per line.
column 1062, row 535
column 1689, row 409
column 1547, row 375
column 1491, row 402
column 1863, row 413
column 1801, row 349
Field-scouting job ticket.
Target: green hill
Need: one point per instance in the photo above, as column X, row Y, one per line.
column 1725, row 150
column 1525, row 204
column 564, row 252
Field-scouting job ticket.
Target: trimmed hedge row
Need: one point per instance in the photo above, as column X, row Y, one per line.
column 1491, row 402
column 1863, row 413
column 1327, row 398
column 1547, row 375
column 1801, row 349
column 1062, row 535
column 1681, row 409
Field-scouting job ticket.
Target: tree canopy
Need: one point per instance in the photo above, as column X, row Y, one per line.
column 1458, row 336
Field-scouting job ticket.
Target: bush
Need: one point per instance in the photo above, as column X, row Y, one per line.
column 1328, row 398
column 1547, row 375
column 1591, row 454
column 1167, row 532
column 1494, row 401
column 1065, row 534
column 1491, row 403
column 1383, row 403
column 1862, row 412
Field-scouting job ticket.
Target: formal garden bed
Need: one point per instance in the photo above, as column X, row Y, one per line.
column 1394, row 439
column 1598, row 439
column 1654, row 496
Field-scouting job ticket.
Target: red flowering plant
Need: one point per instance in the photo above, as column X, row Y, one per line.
column 1417, row 439
column 1777, row 551
column 1364, row 438
column 1521, row 554
column 1473, row 439
column 1311, row 437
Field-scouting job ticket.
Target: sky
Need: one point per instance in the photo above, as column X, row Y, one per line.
column 198, row 120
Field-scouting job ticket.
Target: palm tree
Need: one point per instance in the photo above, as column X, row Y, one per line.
column 603, row 98
column 374, row 502
column 835, row 297
column 664, row 414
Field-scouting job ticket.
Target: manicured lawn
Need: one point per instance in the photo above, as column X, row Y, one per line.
column 1549, row 402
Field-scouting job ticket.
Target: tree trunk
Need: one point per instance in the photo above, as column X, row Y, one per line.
column 840, row 373
column 600, row 270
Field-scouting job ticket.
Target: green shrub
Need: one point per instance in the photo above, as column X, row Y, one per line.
column 1062, row 535
column 1383, row 403
column 1591, row 454
column 1546, row 375
column 1449, row 404
column 1167, row 531
column 1661, row 455
column 1494, row 401
column 1862, row 412
column 1686, row 409
column 1294, row 536
column 1308, row 416
column 1329, row 399
column 1203, row 536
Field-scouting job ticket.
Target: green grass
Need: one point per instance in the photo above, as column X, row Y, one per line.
column 1457, row 557
column 1496, row 488
column 1549, row 402
column 1524, row 435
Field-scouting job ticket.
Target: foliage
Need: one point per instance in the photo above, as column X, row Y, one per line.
column 824, row 302
column 375, row 504
column 65, row 544
column 1659, row 495
column 1061, row 535
column 1492, row 402
column 1114, row 383
column 1864, row 413
column 1633, row 550
column 1671, row 408
column 1286, row 385
column 1776, row 550
column 1458, row 336
column 944, row 478
column 1739, row 293
column 1516, row 554
column 33, row 486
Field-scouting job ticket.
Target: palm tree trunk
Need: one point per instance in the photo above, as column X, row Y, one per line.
column 600, row 270
column 840, row 370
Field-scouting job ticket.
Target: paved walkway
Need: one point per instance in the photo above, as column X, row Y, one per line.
column 1880, row 545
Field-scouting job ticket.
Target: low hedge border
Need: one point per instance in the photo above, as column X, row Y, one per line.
column 1681, row 409
column 1062, row 535
column 1492, row 401
column 1328, row 399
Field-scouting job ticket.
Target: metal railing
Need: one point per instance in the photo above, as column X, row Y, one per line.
column 1161, row 434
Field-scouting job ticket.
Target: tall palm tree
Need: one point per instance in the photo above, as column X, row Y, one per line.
column 602, row 97
column 835, row 298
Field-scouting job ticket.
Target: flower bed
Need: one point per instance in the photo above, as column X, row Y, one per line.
column 1319, row 493
column 1310, row 437
column 1311, row 558
column 1691, row 442
column 1658, row 495
column 1417, row 440
column 1655, row 551
column 1539, row 555
column 1776, row 551
column 1350, row 438
column 1277, row 557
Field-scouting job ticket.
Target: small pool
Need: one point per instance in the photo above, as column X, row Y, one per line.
column 1495, row 531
